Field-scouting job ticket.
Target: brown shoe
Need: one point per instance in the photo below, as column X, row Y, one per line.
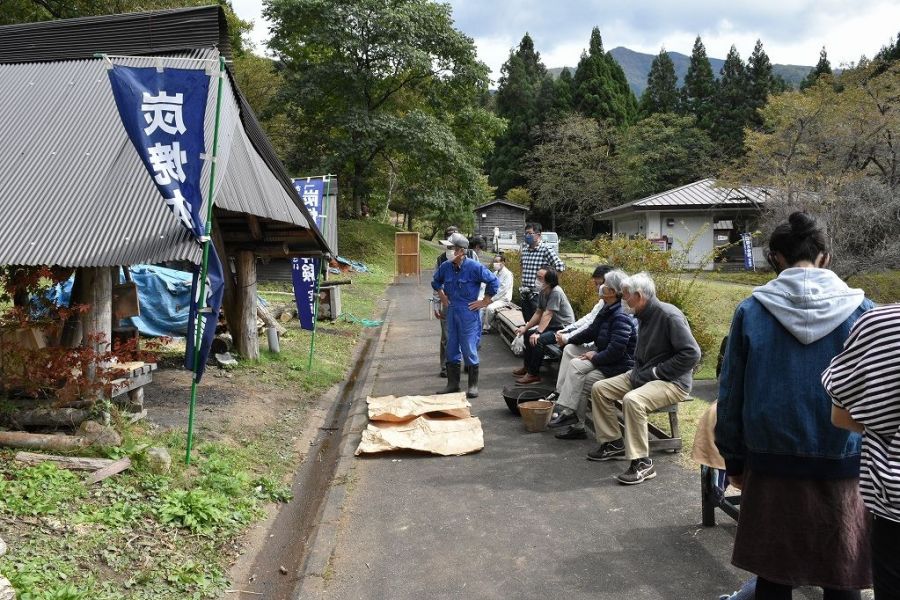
column 529, row 378
column 520, row 371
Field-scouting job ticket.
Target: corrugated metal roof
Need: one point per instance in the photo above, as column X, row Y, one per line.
column 73, row 191
column 153, row 32
column 700, row 194
column 506, row 202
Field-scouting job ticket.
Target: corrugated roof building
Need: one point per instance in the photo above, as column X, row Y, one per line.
column 73, row 191
column 699, row 218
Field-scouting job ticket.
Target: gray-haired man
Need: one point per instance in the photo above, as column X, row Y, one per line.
column 664, row 361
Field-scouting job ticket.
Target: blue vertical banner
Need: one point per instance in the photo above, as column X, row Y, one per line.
column 163, row 111
column 311, row 190
column 747, row 241
column 304, row 273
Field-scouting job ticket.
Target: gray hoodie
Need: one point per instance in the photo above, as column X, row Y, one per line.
column 809, row 303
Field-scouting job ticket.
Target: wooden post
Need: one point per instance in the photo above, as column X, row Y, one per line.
column 230, row 302
column 97, row 290
column 97, row 321
column 247, row 340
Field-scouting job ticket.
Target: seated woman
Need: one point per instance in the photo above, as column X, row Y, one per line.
column 614, row 335
column 503, row 295
column 553, row 313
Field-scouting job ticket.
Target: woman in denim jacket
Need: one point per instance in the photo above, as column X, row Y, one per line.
column 802, row 519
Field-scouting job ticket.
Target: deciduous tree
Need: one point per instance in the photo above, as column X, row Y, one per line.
column 369, row 79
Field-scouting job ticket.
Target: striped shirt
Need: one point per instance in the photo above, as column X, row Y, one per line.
column 864, row 380
column 535, row 258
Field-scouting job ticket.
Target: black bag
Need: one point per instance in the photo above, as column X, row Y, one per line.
column 516, row 394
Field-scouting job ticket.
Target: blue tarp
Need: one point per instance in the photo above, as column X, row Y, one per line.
column 164, row 295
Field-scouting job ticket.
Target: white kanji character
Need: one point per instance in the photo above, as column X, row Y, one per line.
column 163, row 112
column 167, row 162
column 311, row 198
column 308, row 272
column 314, row 214
column 182, row 209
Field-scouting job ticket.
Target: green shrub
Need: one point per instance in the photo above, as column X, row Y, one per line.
column 674, row 281
column 39, row 490
column 197, row 510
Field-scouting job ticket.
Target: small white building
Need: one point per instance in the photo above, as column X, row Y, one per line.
column 698, row 217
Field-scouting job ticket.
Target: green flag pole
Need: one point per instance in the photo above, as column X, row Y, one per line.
column 315, row 315
column 199, row 318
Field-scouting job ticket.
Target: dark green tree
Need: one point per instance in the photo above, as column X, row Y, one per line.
column 601, row 90
column 523, row 76
column 891, row 52
column 698, row 93
column 565, row 93
column 661, row 152
column 661, row 94
column 373, row 82
column 823, row 67
column 760, row 82
column 732, row 110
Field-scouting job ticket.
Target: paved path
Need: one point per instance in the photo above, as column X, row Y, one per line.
column 528, row 517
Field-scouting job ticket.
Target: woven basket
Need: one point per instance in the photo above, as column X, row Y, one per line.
column 535, row 415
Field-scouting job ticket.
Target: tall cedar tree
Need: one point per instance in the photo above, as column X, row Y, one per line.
column 661, row 95
column 565, row 93
column 823, row 67
column 760, row 82
column 522, row 79
column 732, row 110
column 698, row 93
column 601, row 90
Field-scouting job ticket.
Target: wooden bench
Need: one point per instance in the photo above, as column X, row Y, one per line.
column 658, row 438
column 133, row 377
column 507, row 320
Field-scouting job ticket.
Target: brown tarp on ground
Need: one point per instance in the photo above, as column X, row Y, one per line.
column 439, row 424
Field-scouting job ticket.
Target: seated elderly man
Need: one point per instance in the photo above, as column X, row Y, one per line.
column 613, row 335
column 662, row 375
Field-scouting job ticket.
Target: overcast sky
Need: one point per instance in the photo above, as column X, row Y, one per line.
column 792, row 31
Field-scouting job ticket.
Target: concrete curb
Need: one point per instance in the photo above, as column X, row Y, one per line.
column 313, row 577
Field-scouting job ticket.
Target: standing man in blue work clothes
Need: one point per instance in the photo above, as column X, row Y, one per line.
column 458, row 282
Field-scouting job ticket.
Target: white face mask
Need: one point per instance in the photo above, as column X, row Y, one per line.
column 538, row 286
column 498, row 266
column 451, row 254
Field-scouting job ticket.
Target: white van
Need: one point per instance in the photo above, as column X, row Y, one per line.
column 505, row 240
column 551, row 239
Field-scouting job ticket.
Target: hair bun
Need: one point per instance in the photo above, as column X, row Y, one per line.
column 802, row 225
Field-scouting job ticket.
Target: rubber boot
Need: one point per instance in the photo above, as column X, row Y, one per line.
column 472, row 392
column 453, row 373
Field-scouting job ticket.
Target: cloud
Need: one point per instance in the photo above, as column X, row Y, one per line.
column 792, row 31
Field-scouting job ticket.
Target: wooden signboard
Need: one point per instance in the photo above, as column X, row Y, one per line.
column 406, row 252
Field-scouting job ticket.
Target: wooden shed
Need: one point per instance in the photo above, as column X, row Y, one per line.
column 502, row 214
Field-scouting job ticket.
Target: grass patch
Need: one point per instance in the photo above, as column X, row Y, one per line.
column 164, row 537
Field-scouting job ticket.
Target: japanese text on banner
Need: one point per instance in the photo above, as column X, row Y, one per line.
column 163, row 113
column 311, row 192
column 304, row 275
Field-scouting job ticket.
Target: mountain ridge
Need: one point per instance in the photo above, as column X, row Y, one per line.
column 636, row 66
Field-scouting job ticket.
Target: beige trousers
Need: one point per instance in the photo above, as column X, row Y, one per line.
column 636, row 404
column 570, row 351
